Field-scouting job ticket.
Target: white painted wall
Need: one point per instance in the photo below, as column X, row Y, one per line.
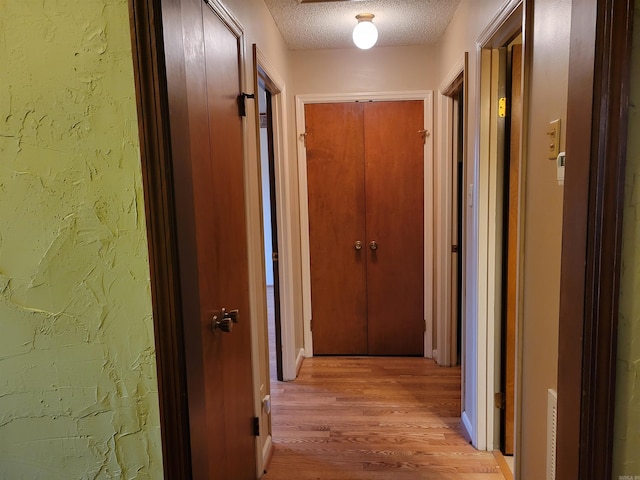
column 381, row 69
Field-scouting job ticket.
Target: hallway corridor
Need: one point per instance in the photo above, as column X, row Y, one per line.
column 373, row 418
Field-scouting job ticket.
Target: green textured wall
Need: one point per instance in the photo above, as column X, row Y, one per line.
column 78, row 389
column 627, row 421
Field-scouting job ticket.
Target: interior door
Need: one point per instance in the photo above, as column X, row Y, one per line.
column 218, row 263
column 394, row 166
column 335, row 176
column 366, row 209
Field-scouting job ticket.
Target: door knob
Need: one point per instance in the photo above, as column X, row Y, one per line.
column 358, row 245
column 224, row 320
column 373, row 245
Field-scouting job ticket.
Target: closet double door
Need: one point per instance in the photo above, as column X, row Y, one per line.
column 365, row 179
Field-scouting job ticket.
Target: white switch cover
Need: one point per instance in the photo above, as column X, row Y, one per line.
column 554, row 139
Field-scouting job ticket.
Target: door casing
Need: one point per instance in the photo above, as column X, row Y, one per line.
column 483, row 297
column 427, row 97
column 283, row 174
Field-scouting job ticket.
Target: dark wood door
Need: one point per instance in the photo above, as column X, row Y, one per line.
column 394, row 166
column 219, row 262
column 365, row 184
column 335, row 176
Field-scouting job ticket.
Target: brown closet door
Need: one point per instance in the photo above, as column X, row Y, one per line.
column 335, row 178
column 394, row 169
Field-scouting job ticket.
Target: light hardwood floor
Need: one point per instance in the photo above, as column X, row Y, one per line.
column 373, row 418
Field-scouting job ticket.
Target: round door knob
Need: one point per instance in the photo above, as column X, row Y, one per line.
column 373, row 245
column 358, row 245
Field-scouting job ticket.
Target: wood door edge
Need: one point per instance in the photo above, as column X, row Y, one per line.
column 155, row 151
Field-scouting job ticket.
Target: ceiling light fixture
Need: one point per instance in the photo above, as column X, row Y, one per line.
column 365, row 33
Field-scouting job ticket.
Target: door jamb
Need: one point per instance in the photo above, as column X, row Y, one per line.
column 147, row 26
column 593, row 213
column 427, row 97
column 511, row 18
column 443, row 209
column 284, row 208
column 150, row 75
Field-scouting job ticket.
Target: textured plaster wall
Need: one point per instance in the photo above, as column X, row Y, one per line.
column 627, row 421
column 78, row 392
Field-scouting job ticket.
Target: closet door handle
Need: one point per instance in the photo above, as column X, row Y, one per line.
column 357, row 245
column 373, row 245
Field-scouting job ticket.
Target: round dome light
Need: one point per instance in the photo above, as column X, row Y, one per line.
column 365, row 33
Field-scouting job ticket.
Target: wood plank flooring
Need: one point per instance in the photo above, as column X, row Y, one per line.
column 373, row 418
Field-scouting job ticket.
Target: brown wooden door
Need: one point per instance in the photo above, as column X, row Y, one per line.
column 219, row 261
column 335, row 176
column 365, row 184
column 395, row 221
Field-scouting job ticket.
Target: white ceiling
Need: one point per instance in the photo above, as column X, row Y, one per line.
column 328, row 24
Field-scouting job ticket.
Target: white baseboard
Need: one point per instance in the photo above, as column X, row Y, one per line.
column 267, row 453
column 466, row 425
column 299, row 360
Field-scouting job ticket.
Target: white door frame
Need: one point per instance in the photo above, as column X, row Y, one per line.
column 257, row 287
column 427, row 97
column 485, row 300
column 443, row 352
column 283, row 217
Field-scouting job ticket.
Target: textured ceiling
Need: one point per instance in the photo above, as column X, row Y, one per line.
column 329, row 24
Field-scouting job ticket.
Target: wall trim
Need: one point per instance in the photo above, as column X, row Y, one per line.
column 467, row 426
column 597, row 115
column 427, row 97
column 508, row 20
column 299, row 360
column 443, row 189
column 268, row 450
column 150, row 75
column 284, row 207
column 500, row 24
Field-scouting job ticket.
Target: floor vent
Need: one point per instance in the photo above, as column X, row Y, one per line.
column 552, row 431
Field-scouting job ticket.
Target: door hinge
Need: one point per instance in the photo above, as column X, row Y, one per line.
column 502, row 107
column 242, row 103
column 424, row 134
column 454, row 248
column 500, row 400
column 311, row 325
column 303, row 137
column 274, row 256
column 425, row 325
column 256, row 426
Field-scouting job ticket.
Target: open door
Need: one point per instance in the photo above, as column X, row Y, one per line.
column 190, row 102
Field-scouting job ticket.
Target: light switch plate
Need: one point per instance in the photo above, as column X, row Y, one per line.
column 553, row 135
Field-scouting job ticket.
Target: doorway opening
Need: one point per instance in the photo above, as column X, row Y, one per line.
column 358, row 246
column 270, row 228
column 277, row 243
column 500, row 220
column 450, row 348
